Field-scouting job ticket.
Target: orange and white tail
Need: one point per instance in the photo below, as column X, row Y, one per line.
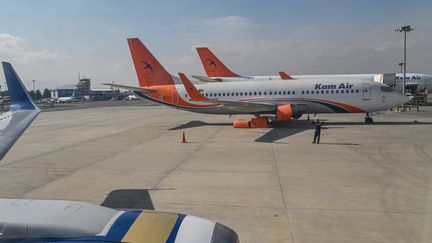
column 212, row 65
column 149, row 71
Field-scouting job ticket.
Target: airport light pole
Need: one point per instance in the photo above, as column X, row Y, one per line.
column 34, row 89
column 405, row 29
column 401, row 66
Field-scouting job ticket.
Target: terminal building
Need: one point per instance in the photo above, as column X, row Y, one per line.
column 84, row 92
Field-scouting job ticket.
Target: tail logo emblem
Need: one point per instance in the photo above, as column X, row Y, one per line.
column 148, row 67
column 211, row 64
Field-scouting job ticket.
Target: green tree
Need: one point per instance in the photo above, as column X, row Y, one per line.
column 46, row 93
column 32, row 94
column 38, row 95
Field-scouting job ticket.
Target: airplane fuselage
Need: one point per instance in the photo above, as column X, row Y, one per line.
column 306, row 96
column 421, row 81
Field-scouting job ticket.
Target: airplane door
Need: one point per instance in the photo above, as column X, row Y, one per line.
column 366, row 92
column 270, row 94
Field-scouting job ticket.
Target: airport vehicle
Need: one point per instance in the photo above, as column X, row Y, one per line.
column 56, row 221
column 278, row 99
column 68, row 99
column 217, row 71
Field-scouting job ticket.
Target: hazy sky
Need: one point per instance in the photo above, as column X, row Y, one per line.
column 52, row 41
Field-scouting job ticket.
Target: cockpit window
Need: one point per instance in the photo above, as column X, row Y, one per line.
column 386, row 89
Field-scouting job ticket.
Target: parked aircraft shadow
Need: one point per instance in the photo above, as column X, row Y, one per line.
column 283, row 130
column 129, row 199
column 193, row 124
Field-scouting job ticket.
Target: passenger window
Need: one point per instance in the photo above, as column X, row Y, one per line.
column 332, row 91
column 223, row 94
column 284, row 92
column 255, row 93
column 259, row 93
column 312, row 92
column 327, row 91
column 322, row 91
column 186, row 95
column 293, row 92
column 337, row 91
column 352, row 91
column 357, row 91
column 307, row 91
column 270, row 93
column 342, row 91
column 302, row 91
column 232, row 94
column 265, row 92
column 220, row 94
column 347, row 91
column 228, row 94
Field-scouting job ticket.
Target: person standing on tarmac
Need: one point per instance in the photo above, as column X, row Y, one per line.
column 317, row 134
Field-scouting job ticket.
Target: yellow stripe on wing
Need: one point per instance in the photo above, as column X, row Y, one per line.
column 151, row 227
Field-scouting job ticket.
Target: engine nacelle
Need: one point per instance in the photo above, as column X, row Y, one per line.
column 284, row 113
column 240, row 123
column 255, row 122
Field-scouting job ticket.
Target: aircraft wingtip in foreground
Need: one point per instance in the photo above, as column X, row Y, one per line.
column 55, row 221
column 22, row 111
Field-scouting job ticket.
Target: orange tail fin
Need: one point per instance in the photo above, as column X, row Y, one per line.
column 285, row 75
column 212, row 65
column 149, row 71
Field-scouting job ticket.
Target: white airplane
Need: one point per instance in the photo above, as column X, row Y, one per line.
column 68, row 99
column 279, row 99
column 217, row 71
column 56, row 221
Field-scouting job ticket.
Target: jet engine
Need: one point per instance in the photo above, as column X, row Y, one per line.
column 284, row 113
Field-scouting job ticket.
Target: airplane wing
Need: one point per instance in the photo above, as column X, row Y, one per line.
column 131, row 88
column 233, row 105
column 22, row 111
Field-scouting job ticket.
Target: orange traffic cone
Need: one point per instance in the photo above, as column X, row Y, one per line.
column 184, row 138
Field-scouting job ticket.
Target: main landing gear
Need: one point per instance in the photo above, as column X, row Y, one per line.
column 368, row 119
column 255, row 122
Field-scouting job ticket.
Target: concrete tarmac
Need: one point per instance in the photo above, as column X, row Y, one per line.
column 363, row 183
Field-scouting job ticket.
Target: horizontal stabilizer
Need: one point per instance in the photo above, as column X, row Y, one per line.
column 207, row 80
column 131, row 88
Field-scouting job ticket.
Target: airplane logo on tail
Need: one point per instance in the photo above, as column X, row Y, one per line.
column 148, row 67
column 211, row 64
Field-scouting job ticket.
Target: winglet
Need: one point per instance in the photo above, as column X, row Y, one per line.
column 191, row 89
column 20, row 98
column 285, row 76
column 22, row 112
column 212, row 65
